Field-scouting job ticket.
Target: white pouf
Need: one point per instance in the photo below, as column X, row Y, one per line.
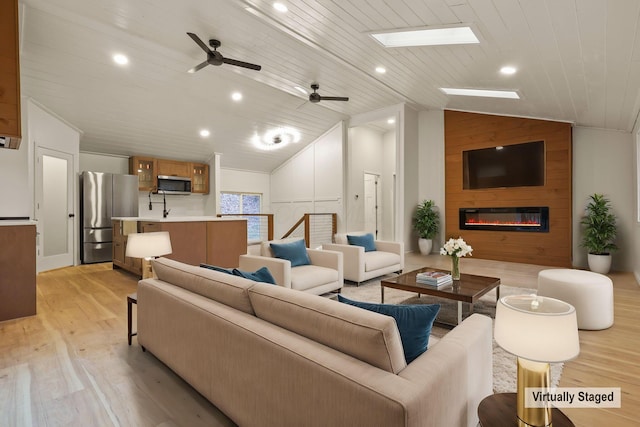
column 590, row 293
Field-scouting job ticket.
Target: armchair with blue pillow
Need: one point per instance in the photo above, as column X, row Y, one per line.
column 295, row 266
column 366, row 258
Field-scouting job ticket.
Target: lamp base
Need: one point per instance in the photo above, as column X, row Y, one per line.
column 532, row 374
column 147, row 269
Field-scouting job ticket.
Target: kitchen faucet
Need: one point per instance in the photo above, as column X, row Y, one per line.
column 165, row 211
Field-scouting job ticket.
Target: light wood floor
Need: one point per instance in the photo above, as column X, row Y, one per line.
column 70, row 365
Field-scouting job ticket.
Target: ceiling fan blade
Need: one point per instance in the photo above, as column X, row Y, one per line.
column 199, row 42
column 198, row 67
column 241, row 64
column 334, row 98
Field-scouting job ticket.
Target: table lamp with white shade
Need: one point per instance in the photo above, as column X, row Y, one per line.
column 539, row 331
column 148, row 246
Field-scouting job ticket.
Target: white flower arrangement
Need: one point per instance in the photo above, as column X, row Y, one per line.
column 456, row 247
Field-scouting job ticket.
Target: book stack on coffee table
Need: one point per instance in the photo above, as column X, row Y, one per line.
column 434, row 278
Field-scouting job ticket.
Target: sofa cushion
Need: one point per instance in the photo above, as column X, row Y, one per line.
column 367, row 336
column 341, row 238
column 366, row 241
column 265, row 247
column 309, row 276
column 224, row 288
column 414, row 323
column 295, row 252
column 379, row 259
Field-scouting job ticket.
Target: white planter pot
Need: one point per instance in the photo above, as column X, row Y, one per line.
column 599, row 263
column 425, row 246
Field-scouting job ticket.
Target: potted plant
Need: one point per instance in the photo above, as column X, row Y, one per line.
column 599, row 233
column 426, row 221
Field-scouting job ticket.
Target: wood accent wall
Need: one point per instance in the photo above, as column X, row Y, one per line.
column 467, row 131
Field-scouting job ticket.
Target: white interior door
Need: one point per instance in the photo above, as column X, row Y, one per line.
column 54, row 208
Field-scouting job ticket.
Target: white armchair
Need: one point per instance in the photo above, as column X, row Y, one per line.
column 360, row 266
column 323, row 275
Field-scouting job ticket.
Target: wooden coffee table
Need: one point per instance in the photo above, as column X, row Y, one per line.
column 468, row 289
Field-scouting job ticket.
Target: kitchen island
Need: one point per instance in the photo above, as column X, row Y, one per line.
column 194, row 239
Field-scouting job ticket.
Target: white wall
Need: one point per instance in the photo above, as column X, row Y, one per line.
column 388, row 188
column 16, row 196
column 310, row 181
column 239, row 181
column 365, row 155
column 409, row 176
column 603, row 162
column 107, row 163
column 431, row 170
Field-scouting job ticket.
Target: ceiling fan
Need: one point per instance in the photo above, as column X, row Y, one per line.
column 215, row 58
column 315, row 97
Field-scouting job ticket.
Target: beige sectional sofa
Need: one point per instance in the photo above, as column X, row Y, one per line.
column 266, row 355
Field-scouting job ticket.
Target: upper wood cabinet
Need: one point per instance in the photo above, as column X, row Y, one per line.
column 10, row 127
column 147, row 170
column 173, row 168
column 199, row 178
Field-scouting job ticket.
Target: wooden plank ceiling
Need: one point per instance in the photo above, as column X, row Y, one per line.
column 578, row 61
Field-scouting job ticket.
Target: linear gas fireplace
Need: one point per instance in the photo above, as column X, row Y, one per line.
column 532, row 219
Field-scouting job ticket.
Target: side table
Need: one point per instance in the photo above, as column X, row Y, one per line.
column 499, row 410
column 131, row 299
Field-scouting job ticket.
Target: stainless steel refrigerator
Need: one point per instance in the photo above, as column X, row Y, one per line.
column 102, row 196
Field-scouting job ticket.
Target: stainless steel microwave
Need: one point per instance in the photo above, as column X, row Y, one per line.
column 174, row 184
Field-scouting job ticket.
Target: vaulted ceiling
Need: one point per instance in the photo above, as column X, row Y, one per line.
column 577, row 61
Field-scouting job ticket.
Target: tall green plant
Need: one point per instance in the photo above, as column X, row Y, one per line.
column 599, row 226
column 426, row 220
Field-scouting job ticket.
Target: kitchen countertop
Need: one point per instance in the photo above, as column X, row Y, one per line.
column 12, row 222
column 175, row 218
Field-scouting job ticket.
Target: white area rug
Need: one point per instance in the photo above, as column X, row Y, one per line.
column 504, row 364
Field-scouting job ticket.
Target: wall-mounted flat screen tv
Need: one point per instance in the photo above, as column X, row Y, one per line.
column 517, row 165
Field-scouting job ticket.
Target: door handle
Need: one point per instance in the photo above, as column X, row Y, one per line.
column 71, row 215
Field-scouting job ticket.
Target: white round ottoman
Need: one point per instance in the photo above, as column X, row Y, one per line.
column 590, row 293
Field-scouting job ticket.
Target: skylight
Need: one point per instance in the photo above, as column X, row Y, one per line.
column 427, row 37
column 510, row 94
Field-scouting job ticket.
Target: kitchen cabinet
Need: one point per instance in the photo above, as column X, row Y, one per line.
column 17, row 271
column 226, row 241
column 10, row 127
column 173, row 168
column 146, row 168
column 121, row 230
column 199, row 178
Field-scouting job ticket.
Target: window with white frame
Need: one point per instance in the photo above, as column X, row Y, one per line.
column 244, row 203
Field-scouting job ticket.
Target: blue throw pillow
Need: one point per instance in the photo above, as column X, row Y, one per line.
column 414, row 323
column 261, row 275
column 296, row 252
column 365, row 240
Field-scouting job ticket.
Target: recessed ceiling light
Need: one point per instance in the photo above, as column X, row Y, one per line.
column 236, row 96
column 508, row 70
column 381, row 70
column 204, row 133
column 481, row 92
column 280, row 7
column 391, row 121
column 427, row 37
column 120, row 59
column 301, row 90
